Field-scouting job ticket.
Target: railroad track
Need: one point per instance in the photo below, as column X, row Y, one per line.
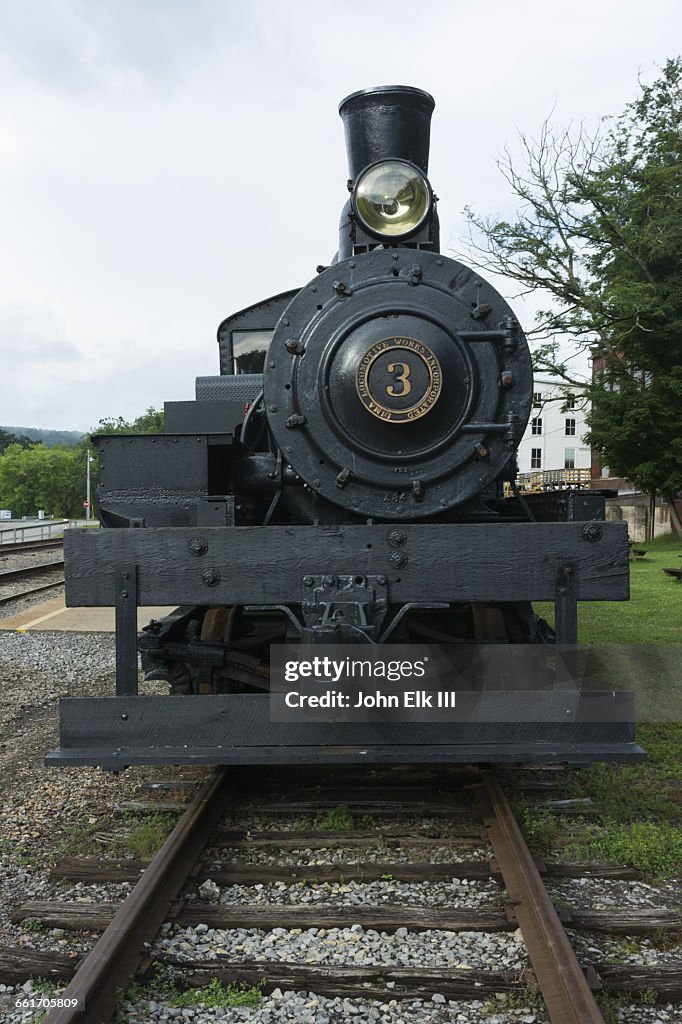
column 21, row 594
column 28, row 572
column 127, row 946
column 31, row 570
column 30, row 545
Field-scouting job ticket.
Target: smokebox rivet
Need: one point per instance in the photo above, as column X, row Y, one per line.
column 398, row 559
column 592, row 532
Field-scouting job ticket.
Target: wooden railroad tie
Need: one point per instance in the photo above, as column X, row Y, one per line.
column 77, row 916
column 18, row 965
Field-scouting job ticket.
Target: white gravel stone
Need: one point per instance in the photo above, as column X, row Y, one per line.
column 449, row 853
column 357, row 894
column 433, row 948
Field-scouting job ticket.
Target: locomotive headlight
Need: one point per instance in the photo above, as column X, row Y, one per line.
column 392, row 198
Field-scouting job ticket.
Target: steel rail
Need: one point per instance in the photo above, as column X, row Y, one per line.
column 564, row 988
column 31, row 570
column 29, row 593
column 31, row 545
column 108, row 968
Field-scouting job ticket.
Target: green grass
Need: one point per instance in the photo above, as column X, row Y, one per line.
column 639, row 810
column 524, row 997
column 652, row 615
column 78, row 839
column 213, row 995
column 639, row 806
column 165, row 989
column 655, row 850
column 146, row 835
column 336, row 819
column 149, row 835
column 650, row 792
column 612, row 1005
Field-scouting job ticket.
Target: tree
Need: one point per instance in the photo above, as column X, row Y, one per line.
column 7, row 438
column 54, row 479
column 42, row 478
column 599, row 233
column 150, row 422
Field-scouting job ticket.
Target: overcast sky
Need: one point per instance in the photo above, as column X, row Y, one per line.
column 164, row 162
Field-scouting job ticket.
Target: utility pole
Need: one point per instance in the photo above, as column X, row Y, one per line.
column 87, row 486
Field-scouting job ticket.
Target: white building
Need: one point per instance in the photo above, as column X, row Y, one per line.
column 553, row 443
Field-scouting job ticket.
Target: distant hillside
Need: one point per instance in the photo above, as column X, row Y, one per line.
column 49, row 437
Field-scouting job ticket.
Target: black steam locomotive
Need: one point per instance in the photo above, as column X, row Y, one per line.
column 348, row 477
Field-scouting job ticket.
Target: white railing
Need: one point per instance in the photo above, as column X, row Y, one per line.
column 43, row 530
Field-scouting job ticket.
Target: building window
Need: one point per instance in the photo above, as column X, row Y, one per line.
column 536, row 458
column 570, row 427
column 569, row 458
column 570, row 401
column 537, row 399
column 536, row 425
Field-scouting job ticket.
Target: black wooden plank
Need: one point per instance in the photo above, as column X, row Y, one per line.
column 243, row 720
column 257, row 565
column 113, row 759
column 125, row 600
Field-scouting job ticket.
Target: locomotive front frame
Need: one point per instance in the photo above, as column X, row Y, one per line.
column 465, row 562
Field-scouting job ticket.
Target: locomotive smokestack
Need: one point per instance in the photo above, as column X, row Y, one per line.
column 391, row 121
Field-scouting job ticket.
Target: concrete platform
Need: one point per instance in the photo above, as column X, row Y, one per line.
column 54, row 616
